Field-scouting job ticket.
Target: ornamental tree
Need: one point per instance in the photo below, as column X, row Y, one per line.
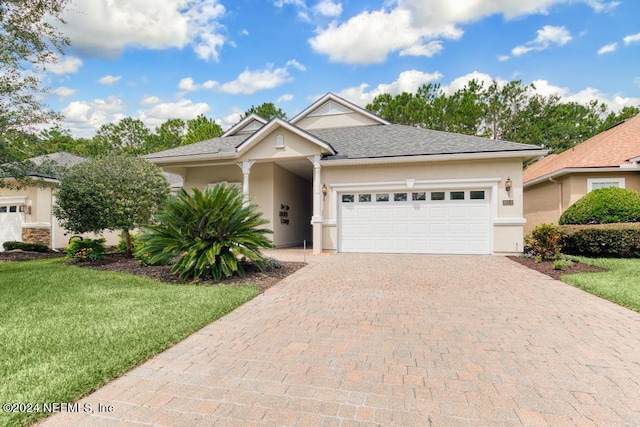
column 116, row 192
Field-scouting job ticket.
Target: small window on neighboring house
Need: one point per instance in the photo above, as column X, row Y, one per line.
column 279, row 141
column 597, row 183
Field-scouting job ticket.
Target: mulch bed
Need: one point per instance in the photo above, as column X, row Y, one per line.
column 123, row 264
column 546, row 267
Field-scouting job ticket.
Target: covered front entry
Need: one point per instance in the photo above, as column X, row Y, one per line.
column 454, row 221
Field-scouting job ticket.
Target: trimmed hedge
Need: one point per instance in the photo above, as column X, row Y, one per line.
column 604, row 206
column 30, row 247
column 601, row 240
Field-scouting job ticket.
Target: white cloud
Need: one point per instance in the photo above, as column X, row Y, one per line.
column 428, row 50
column 503, row 58
column 109, row 79
column 83, row 118
column 64, row 65
column 210, row 84
column 637, row 81
column 405, row 25
column 547, row 36
column 107, row 27
column 231, row 119
column 408, row 81
column 64, row 92
column 184, row 109
column 150, row 100
column 328, row 8
column 187, row 84
column 284, row 98
column 249, row 81
column 632, row 38
column 608, row 48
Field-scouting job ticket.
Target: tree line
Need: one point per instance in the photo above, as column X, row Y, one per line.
column 511, row 112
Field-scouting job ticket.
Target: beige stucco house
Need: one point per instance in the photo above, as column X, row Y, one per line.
column 26, row 215
column 608, row 159
column 343, row 179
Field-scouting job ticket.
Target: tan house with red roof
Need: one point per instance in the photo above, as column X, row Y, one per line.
column 608, row 159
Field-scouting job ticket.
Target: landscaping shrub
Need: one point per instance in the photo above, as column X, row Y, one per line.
column 543, row 242
column 604, row 206
column 90, row 250
column 207, row 233
column 30, row 247
column 602, row 241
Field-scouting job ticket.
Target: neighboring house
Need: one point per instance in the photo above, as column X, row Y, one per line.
column 26, row 214
column 346, row 180
column 608, row 159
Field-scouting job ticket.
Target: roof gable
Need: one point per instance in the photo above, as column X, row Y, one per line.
column 249, row 124
column 276, row 123
column 615, row 147
column 332, row 105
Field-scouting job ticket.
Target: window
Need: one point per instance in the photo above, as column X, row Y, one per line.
column 3, row 209
column 437, row 195
column 456, row 195
column 13, row 209
column 418, row 196
column 476, row 194
column 399, row 197
column 364, row 198
column 384, row 197
column 597, row 183
column 348, row 198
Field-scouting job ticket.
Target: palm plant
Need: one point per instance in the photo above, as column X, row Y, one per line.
column 208, row 233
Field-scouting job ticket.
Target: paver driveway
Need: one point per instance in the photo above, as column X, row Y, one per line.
column 395, row 340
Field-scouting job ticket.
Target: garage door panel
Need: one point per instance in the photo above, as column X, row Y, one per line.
column 416, row 226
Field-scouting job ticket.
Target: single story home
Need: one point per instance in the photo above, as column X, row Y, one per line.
column 26, row 215
column 345, row 180
column 608, row 159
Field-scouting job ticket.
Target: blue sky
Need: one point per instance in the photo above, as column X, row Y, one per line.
column 158, row 59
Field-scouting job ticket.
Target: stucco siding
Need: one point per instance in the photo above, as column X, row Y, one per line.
column 335, row 120
column 294, row 147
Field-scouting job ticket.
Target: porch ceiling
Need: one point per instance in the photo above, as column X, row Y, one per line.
column 301, row 167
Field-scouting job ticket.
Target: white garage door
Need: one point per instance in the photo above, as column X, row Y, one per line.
column 10, row 224
column 432, row 222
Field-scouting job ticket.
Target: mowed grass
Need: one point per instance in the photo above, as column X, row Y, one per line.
column 621, row 284
column 65, row 330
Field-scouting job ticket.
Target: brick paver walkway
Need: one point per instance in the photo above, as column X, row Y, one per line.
column 404, row 340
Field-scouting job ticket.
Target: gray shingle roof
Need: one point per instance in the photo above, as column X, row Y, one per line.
column 210, row 146
column 61, row 158
column 398, row 140
column 358, row 142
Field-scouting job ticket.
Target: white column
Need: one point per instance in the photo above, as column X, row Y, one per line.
column 246, row 167
column 316, row 219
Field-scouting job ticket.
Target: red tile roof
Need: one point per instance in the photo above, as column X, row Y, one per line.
column 610, row 148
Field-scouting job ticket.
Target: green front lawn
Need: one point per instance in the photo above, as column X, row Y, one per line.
column 65, row 330
column 621, row 284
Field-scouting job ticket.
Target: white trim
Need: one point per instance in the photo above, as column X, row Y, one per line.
column 591, row 181
column 13, row 200
column 36, row 225
column 509, row 221
column 244, row 123
column 330, row 96
column 193, row 158
column 432, row 158
column 253, row 139
column 566, row 171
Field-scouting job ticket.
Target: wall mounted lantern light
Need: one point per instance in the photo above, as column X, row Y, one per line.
column 324, row 190
column 508, row 184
